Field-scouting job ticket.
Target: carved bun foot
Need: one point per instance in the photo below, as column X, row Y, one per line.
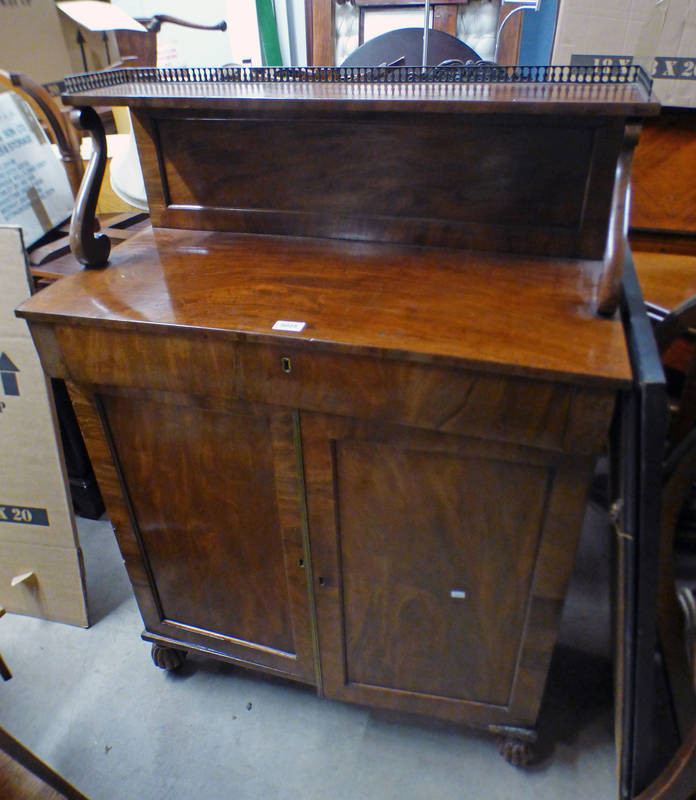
column 168, row 658
column 515, row 751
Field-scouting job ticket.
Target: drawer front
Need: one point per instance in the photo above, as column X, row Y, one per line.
column 534, row 412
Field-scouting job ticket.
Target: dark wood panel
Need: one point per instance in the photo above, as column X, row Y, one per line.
column 202, row 488
column 376, row 168
column 541, row 188
column 414, row 527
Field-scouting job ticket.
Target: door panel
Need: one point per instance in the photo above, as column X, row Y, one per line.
column 441, row 564
column 208, row 492
column 417, row 530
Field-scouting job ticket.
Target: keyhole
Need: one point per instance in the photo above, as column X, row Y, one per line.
column 286, row 364
column 321, row 581
column 300, row 563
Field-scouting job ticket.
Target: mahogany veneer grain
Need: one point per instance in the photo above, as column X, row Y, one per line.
column 513, row 314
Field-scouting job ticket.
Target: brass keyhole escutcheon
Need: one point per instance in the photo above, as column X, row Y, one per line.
column 286, row 364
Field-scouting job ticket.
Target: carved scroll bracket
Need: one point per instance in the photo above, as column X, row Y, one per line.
column 617, row 239
column 89, row 249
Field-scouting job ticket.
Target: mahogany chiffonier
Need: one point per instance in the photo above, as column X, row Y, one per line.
column 345, row 398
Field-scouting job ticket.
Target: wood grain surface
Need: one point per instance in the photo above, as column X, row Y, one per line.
column 401, row 518
column 664, row 174
column 517, row 315
column 510, row 183
column 213, row 542
column 210, row 567
column 301, row 98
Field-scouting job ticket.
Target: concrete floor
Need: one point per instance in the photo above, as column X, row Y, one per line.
column 92, row 704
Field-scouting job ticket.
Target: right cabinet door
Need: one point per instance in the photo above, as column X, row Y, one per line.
column 440, row 564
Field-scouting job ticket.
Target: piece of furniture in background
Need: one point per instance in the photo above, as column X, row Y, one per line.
column 677, row 781
column 23, row 775
column 320, row 24
column 663, row 217
column 663, row 237
column 509, row 36
column 669, row 282
column 405, row 47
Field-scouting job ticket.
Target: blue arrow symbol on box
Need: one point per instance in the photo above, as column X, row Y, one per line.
column 8, row 375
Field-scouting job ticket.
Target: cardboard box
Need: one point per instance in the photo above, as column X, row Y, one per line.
column 31, row 40
column 37, row 527
column 659, row 35
column 37, row 39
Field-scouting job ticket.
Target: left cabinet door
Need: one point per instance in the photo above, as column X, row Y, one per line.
column 212, row 498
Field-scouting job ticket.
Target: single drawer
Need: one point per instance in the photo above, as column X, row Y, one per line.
column 317, row 377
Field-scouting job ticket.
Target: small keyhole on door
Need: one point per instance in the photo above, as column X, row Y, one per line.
column 300, row 563
column 286, row 364
column 321, row 581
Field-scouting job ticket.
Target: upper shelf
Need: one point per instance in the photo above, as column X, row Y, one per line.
column 623, row 91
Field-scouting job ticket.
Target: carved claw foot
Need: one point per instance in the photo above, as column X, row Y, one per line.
column 168, row 658
column 515, row 751
column 515, row 745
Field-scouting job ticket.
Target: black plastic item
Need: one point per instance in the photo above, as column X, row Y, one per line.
column 407, row 44
column 84, row 490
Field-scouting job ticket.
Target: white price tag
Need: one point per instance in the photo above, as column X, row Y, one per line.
column 288, row 325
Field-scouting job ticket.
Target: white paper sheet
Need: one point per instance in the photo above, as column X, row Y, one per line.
column 97, row 16
column 34, row 189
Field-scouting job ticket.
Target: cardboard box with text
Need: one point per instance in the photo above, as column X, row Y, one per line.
column 659, row 35
column 41, row 571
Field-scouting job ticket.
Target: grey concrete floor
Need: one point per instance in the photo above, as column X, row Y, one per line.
column 92, row 704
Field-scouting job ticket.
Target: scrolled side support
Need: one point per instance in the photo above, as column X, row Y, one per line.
column 89, row 249
column 617, row 238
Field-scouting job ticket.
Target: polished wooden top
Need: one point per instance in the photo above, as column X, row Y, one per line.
column 502, row 313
